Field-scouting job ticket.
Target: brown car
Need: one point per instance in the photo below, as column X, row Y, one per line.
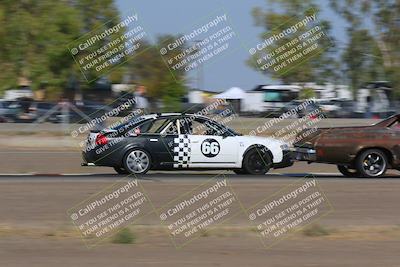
column 366, row 151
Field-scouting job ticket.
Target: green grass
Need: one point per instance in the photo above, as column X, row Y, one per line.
column 125, row 236
column 316, row 230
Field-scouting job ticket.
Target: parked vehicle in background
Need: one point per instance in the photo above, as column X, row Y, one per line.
column 81, row 111
column 363, row 151
column 88, row 106
column 337, row 108
column 21, row 110
column 41, row 109
column 374, row 99
column 302, row 108
column 328, row 106
column 122, row 99
column 27, row 110
column 269, row 100
column 7, row 112
column 346, row 109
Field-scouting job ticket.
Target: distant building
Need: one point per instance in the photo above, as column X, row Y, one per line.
column 197, row 96
column 234, row 96
column 272, row 98
column 269, row 98
column 329, row 90
column 374, row 97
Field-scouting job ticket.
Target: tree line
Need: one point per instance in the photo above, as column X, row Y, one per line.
column 372, row 52
column 34, row 37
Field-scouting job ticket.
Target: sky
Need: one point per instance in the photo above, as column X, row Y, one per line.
column 230, row 68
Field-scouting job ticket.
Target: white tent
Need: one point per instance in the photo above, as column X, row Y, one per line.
column 232, row 93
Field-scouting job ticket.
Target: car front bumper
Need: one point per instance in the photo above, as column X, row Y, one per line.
column 303, row 154
column 287, row 160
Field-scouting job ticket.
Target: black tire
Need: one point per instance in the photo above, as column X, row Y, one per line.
column 131, row 162
column 120, row 170
column 372, row 163
column 240, row 171
column 347, row 171
column 257, row 162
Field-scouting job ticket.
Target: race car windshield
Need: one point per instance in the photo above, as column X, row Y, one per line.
column 233, row 132
column 223, row 129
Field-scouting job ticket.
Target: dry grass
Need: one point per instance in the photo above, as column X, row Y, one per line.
column 130, row 235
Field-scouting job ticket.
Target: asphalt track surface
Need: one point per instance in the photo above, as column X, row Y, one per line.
column 37, row 187
column 33, row 221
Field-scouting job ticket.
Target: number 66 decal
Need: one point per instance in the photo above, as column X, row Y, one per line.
column 210, row 148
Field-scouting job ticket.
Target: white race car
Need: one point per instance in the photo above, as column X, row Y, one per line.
column 182, row 141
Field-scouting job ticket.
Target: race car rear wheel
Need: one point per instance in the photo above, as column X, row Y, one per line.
column 347, row 171
column 137, row 161
column 120, row 170
column 257, row 162
column 372, row 163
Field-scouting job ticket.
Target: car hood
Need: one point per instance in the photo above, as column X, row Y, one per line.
column 309, row 140
column 263, row 140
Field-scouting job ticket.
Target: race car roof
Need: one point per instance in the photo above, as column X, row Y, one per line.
column 173, row 114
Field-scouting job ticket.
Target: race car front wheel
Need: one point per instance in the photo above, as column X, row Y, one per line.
column 256, row 162
column 137, row 161
column 240, row 171
column 372, row 163
column 347, row 171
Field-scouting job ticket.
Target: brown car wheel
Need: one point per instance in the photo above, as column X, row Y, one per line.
column 372, row 163
column 347, row 171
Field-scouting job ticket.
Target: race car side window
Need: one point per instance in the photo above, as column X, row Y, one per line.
column 171, row 128
column 158, row 125
column 152, row 126
column 185, row 125
column 202, row 127
column 146, row 127
column 196, row 128
column 132, row 126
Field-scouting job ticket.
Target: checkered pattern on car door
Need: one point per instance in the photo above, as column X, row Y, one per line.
column 182, row 150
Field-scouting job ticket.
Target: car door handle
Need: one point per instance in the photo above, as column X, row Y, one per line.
column 153, row 140
column 196, row 141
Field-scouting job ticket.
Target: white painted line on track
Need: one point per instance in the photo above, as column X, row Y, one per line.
column 48, row 174
column 177, row 174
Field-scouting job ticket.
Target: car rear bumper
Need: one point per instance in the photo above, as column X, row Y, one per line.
column 287, row 160
column 92, row 158
column 88, row 158
column 303, row 154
